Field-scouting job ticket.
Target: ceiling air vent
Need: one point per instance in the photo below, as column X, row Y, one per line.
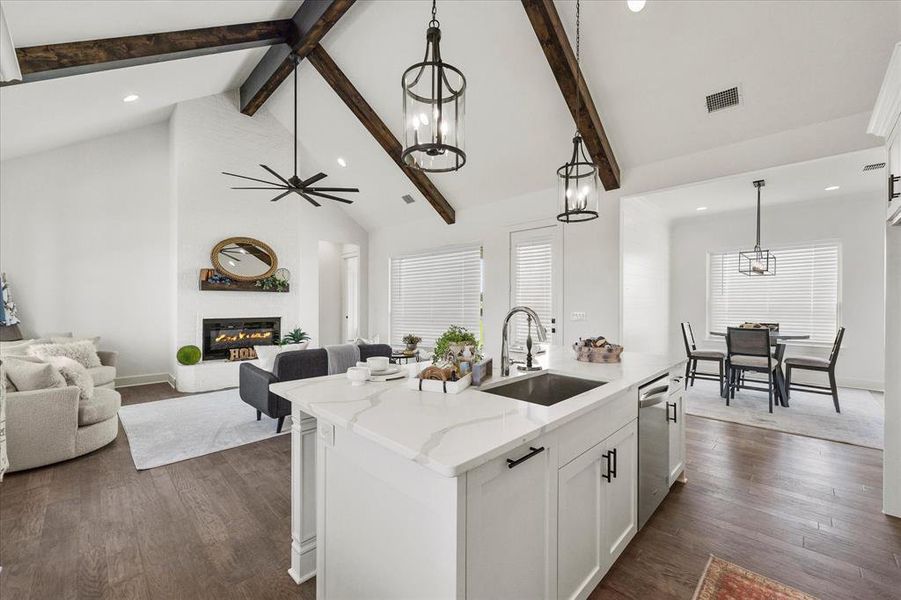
column 407, row 198
column 874, row 167
column 724, row 99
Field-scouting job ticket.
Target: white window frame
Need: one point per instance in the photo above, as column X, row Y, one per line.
column 776, row 248
column 429, row 251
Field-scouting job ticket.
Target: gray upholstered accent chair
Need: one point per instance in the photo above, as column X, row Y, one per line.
column 808, row 363
column 254, row 382
column 694, row 355
column 749, row 350
column 52, row 425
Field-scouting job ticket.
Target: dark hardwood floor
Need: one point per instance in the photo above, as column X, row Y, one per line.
column 803, row 511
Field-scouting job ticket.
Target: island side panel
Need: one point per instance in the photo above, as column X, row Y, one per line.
column 303, row 496
column 387, row 527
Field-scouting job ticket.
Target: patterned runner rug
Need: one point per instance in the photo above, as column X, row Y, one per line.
column 723, row 580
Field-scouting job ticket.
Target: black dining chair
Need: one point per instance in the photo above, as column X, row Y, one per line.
column 694, row 355
column 816, row 364
column 748, row 350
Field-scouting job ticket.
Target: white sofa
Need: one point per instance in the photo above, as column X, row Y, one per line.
column 51, row 425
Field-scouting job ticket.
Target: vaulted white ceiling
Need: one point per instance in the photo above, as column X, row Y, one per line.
column 797, row 63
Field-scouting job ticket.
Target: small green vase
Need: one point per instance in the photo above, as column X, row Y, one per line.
column 188, row 355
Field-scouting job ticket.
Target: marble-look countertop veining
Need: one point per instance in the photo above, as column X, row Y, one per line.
column 453, row 433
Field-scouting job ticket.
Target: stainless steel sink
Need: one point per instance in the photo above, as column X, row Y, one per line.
column 545, row 389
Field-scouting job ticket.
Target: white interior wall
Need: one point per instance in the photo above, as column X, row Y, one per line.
column 857, row 222
column 645, row 255
column 85, row 240
column 330, row 292
column 210, row 136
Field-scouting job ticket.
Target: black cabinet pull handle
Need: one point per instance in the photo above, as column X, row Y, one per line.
column 613, row 469
column 892, row 180
column 512, row 463
column 675, row 412
column 606, row 457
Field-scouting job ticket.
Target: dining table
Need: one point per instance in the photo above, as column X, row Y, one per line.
column 777, row 339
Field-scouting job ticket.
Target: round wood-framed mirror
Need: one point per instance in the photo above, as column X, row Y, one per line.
column 244, row 259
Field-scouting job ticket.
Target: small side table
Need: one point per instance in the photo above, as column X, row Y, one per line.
column 402, row 358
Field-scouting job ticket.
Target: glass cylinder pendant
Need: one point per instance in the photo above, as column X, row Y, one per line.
column 434, row 111
column 577, row 187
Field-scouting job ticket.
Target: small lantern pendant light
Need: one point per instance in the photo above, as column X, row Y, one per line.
column 757, row 262
column 434, row 109
column 577, row 180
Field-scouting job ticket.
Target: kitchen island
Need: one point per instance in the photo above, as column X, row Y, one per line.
column 430, row 495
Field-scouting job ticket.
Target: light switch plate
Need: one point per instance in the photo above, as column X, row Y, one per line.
column 578, row 316
column 327, row 433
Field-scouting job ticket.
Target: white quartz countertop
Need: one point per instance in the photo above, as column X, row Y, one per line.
column 453, row 433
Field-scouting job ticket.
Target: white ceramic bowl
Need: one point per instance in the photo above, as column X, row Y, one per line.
column 377, row 363
column 358, row 375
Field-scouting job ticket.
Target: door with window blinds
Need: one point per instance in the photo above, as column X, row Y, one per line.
column 803, row 296
column 536, row 281
column 434, row 290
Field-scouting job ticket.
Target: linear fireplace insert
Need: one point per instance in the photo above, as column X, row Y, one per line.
column 222, row 335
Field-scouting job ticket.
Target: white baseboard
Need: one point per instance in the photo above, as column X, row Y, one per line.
column 862, row 384
column 131, row 380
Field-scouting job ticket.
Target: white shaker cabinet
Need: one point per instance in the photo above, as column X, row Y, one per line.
column 675, row 411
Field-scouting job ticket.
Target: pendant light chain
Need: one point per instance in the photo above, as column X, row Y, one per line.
column 578, row 61
column 434, row 22
column 757, row 247
column 296, row 100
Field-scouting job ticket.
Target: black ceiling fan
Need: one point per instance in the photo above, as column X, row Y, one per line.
column 301, row 187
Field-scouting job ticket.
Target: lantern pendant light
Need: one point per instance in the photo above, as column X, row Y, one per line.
column 434, row 109
column 577, row 180
column 757, row 262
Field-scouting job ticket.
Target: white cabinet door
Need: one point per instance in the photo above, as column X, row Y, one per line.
column 621, row 491
column 511, row 526
column 582, row 556
column 676, row 420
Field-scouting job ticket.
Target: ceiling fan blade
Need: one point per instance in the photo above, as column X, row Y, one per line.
column 274, row 187
column 280, row 196
column 329, row 196
column 250, row 178
column 277, row 176
column 336, row 189
column 308, row 199
column 312, row 179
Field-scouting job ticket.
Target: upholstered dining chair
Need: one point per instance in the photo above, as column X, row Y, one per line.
column 694, row 355
column 816, row 364
column 749, row 350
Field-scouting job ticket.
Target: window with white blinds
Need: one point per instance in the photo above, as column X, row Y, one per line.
column 803, row 296
column 532, row 283
column 431, row 291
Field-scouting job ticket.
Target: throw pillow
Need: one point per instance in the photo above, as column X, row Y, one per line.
column 360, row 341
column 267, row 354
column 82, row 352
column 69, row 339
column 27, row 375
column 19, row 348
column 6, row 384
column 75, row 374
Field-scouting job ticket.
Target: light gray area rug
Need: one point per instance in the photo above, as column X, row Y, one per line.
column 168, row 431
column 860, row 422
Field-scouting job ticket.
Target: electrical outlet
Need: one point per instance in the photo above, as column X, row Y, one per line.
column 578, row 316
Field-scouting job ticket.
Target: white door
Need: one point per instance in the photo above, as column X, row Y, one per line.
column 536, row 281
column 510, row 531
column 581, row 547
column 675, row 411
column 350, row 302
column 621, row 500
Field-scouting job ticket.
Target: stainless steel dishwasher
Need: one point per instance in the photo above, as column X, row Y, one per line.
column 653, row 447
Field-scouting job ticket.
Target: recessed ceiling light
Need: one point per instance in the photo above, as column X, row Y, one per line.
column 831, row 188
column 342, row 162
column 130, row 98
column 701, row 208
column 635, row 5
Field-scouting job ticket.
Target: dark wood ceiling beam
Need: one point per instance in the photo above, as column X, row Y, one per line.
column 562, row 60
column 371, row 121
column 311, row 22
column 51, row 61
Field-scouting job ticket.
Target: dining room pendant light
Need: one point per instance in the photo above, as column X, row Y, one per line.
column 577, row 180
column 434, row 109
column 757, row 262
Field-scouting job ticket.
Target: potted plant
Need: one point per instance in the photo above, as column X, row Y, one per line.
column 295, row 336
column 453, row 342
column 411, row 340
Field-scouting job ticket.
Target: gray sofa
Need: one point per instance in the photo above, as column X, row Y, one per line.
column 52, row 425
column 254, row 382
